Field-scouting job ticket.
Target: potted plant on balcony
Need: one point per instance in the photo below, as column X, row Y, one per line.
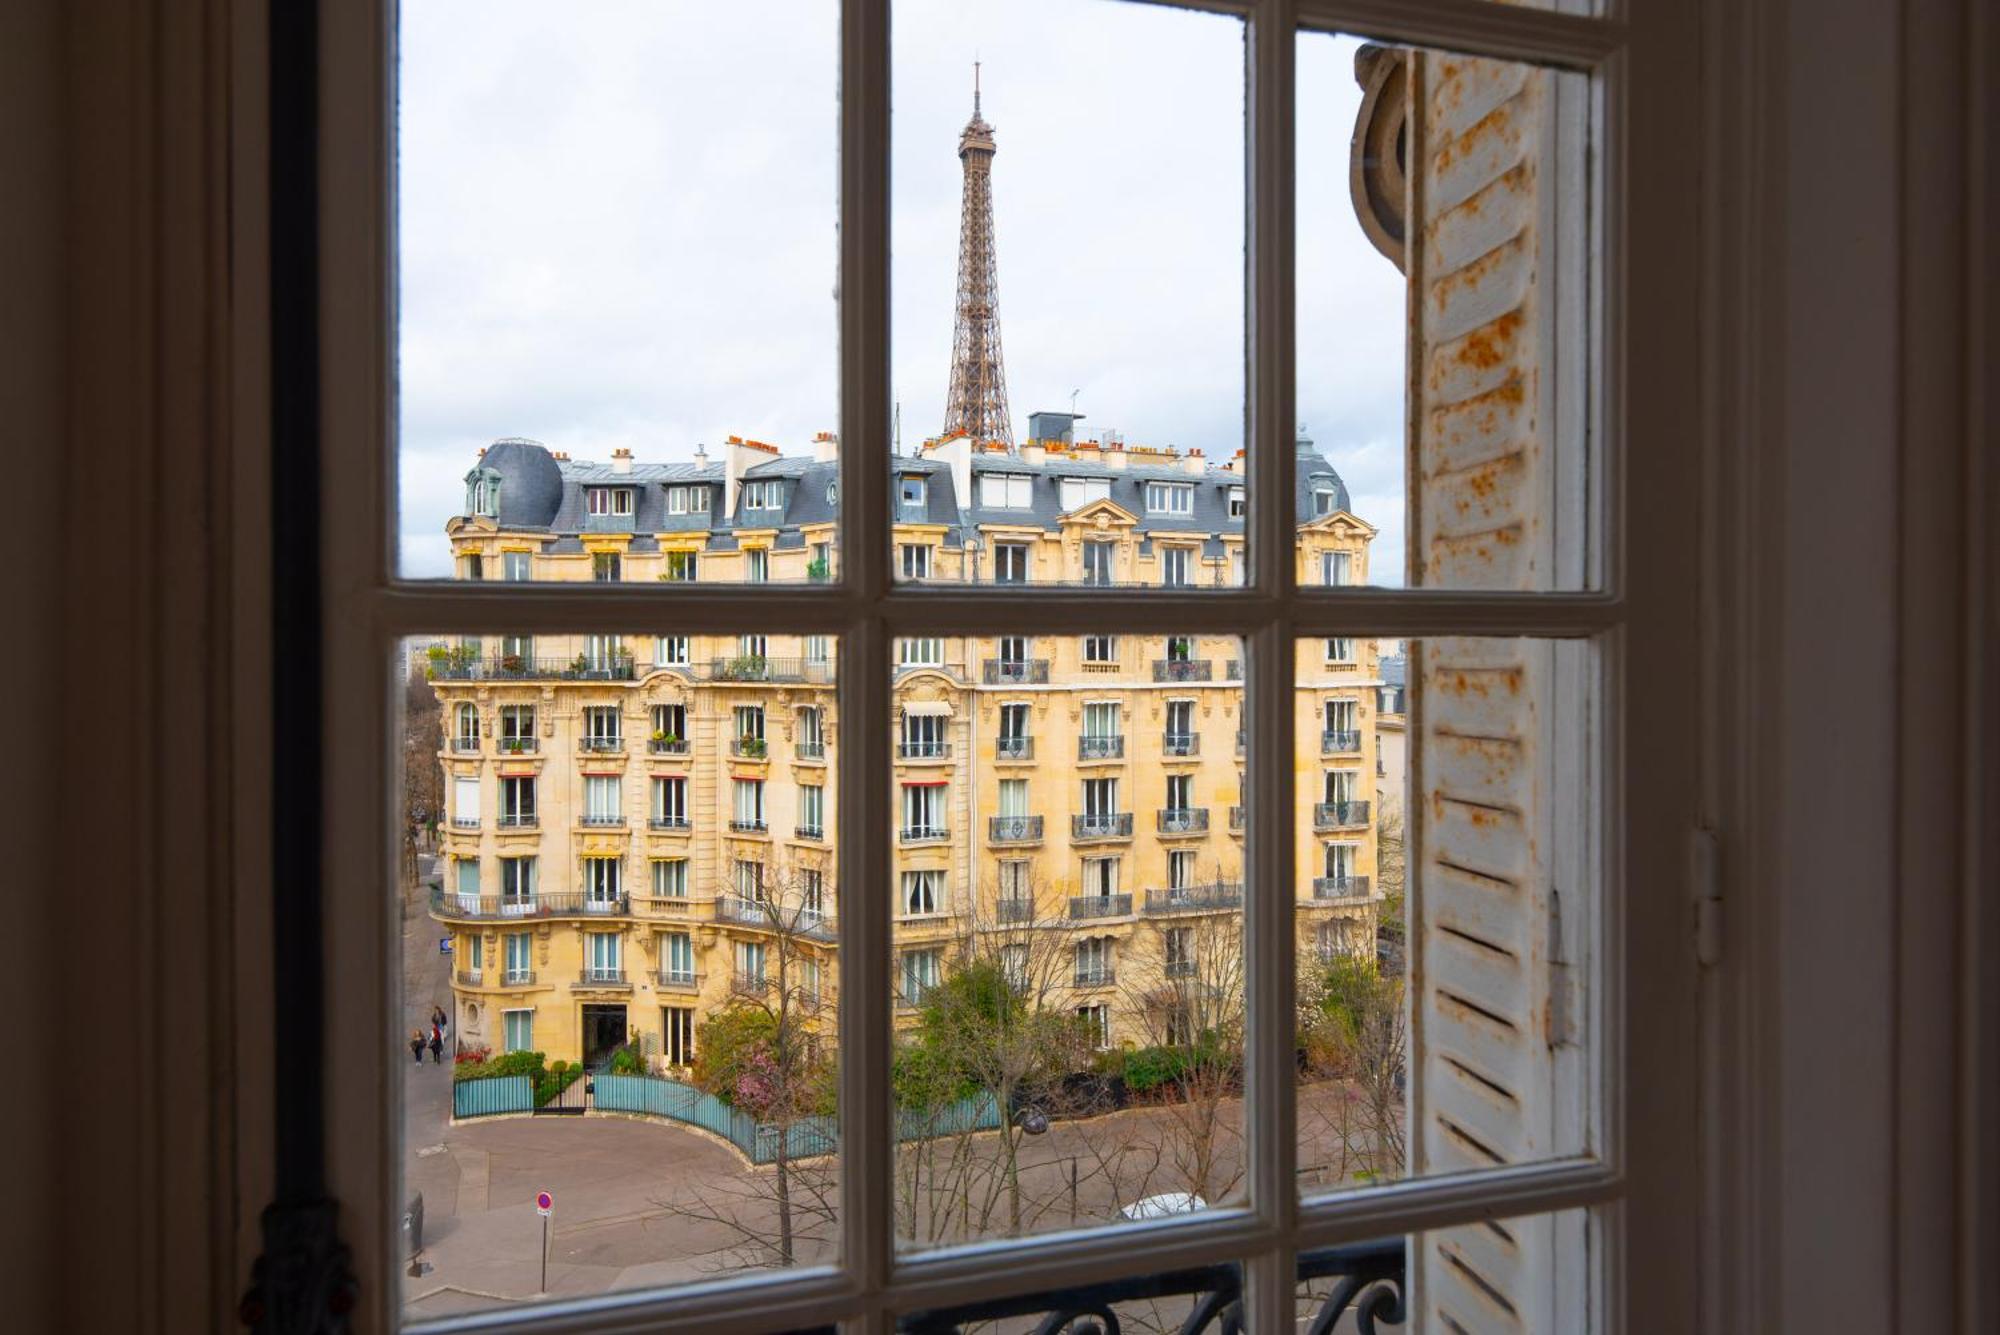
column 817, row 570
column 754, row 747
column 511, row 663
column 513, row 746
column 578, row 666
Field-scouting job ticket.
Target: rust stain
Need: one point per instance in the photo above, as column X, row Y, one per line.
column 1491, row 343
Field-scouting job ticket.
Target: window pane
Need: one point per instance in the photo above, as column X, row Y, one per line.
column 1101, row 442
column 1068, row 981
column 617, row 250
column 1495, row 422
column 1448, row 907
column 631, row 908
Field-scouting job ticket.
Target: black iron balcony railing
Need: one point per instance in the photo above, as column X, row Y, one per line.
column 603, row 976
column 667, row 746
column 1183, row 820
column 1180, row 743
column 1340, row 741
column 1340, row 887
column 601, row 744
column 448, row 904
column 923, row 750
column 1100, row 906
column 749, row 748
column 1232, row 669
column 604, row 819
column 1103, row 825
column 465, row 822
column 1205, row 898
column 519, row 820
column 1179, row 968
column 922, row 834
column 1100, row 748
column 468, row 977
column 1014, row 748
column 815, row 750
column 749, row 825
column 1027, row 671
column 1236, row 819
column 517, row 978
column 1014, row 829
column 754, row 667
column 1011, row 909
column 742, row 912
column 804, row 831
column 1183, row 669
column 669, row 823
column 518, row 746
column 678, row 980
column 1104, row 976
column 463, row 744
column 749, row 984
column 1339, row 815
column 514, row 667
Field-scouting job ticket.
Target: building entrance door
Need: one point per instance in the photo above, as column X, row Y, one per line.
column 603, row 1030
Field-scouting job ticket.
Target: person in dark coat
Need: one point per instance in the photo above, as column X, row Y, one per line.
column 417, row 1045
column 437, row 1048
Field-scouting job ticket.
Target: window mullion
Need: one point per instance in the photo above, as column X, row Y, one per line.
column 867, row 1214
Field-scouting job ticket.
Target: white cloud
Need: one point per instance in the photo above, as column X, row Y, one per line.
column 619, row 227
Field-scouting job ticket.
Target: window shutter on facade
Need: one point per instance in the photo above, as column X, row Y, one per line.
column 1499, row 824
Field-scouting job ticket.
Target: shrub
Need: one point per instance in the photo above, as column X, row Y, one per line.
column 626, row 1061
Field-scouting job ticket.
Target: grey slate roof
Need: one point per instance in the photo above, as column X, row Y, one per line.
column 541, row 493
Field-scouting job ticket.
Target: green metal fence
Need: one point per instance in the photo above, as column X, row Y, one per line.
column 492, row 1096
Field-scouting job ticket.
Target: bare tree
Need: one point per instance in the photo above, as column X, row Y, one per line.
column 423, row 774
column 1352, row 1018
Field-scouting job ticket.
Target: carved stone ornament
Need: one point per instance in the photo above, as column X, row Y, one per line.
column 303, row 1284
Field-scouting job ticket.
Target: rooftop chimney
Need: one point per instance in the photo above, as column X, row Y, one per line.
column 621, row 461
column 826, row 446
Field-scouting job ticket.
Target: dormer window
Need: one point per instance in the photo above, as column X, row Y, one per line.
column 1006, row 491
column 1323, row 501
column 1237, row 507
column 1081, row 491
column 609, row 500
column 913, row 493
column 483, row 497
column 1170, row 498
column 763, row 495
column 685, row 500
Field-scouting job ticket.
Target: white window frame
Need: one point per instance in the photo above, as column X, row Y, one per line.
column 1170, row 498
column 864, row 608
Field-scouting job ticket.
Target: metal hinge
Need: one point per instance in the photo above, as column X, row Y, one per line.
column 1705, row 882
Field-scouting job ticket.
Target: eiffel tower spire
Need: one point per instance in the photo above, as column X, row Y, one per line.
column 977, row 404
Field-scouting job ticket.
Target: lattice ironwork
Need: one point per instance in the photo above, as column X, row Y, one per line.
column 977, row 403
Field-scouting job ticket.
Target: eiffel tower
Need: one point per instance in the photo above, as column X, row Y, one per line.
column 977, row 404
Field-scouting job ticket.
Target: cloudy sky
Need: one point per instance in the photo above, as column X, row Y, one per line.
column 619, row 227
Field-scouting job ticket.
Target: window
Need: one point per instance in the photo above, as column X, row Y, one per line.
column 1340, row 864
column 750, row 965
column 682, row 567
column 923, row 891
column 686, row 500
column 1014, row 966
column 603, row 654
column 924, row 737
column 1169, row 498
column 811, row 744
column 1100, row 797
column 1100, row 649
column 749, row 804
column 1100, row 877
column 475, row 566
column 1175, row 565
column 812, row 811
column 1013, row 649
column 677, row 1035
column 1339, row 649
column 749, row 723
column 1016, row 884
column 484, row 497
column 1081, row 491
column 1006, row 491
column 516, row 651
column 517, row 800
column 1010, row 562
column 1013, row 723
column 1323, row 501
column 911, row 493
column 1334, row 568
column 519, row 1030
column 670, row 878
column 603, row 728
column 1093, row 962
column 919, row 652
column 753, row 646
column 670, row 805
column 1096, row 1022
column 812, row 894
column 670, row 723
column 603, row 882
column 1180, row 726
column 517, row 728
column 1100, row 719
column 1180, row 792
column 475, row 953
column 468, row 879
column 1098, row 562
column 1013, row 798
column 517, row 566
column 747, row 875
column 677, row 957
column 921, row 970
column 603, row 799
column 819, row 649
column 759, row 564
column 605, row 566
column 1178, row 948
column 923, row 811
column 465, row 801
column 1180, row 871
column 1237, row 505
column 517, row 885
column 608, row 500
column 916, row 559
column 763, row 495
column 605, row 956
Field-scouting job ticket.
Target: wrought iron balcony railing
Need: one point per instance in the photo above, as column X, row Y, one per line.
column 749, row 748
column 1011, row 909
column 467, row 977
column 451, row 905
column 463, row 744
column 600, row 744
column 1014, row 748
column 513, row 667
column 1178, row 968
column 667, row 746
column 603, row 977
column 1340, row 887
column 1183, row 669
column 518, row 746
column 1340, row 741
column 1100, row 906
column 519, row 820
column 753, row 667
column 1105, row 976
column 1005, row 671
column 804, row 831
column 465, row 822
column 922, row 834
column 749, row 984
column 1100, row 748
column 805, row 922
column 1014, row 829
column 517, row 978
column 1180, row 743
column 1236, row 819
column 750, row 825
column 809, row 750
column 1339, row 815
column 678, row 980
column 1182, row 820
column 1206, row 898
column 1104, row 825
column 923, row 750
column 669, row 823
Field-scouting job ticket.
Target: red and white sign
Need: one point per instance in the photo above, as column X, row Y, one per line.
column 544, row 1202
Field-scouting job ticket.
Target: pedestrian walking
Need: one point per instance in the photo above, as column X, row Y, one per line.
column 417, row 1045
column 437, row 1048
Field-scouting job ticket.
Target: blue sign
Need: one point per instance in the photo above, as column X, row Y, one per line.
column 444, row 945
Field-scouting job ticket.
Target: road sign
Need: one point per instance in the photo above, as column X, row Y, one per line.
column 544, row 1202
column 444, row 945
